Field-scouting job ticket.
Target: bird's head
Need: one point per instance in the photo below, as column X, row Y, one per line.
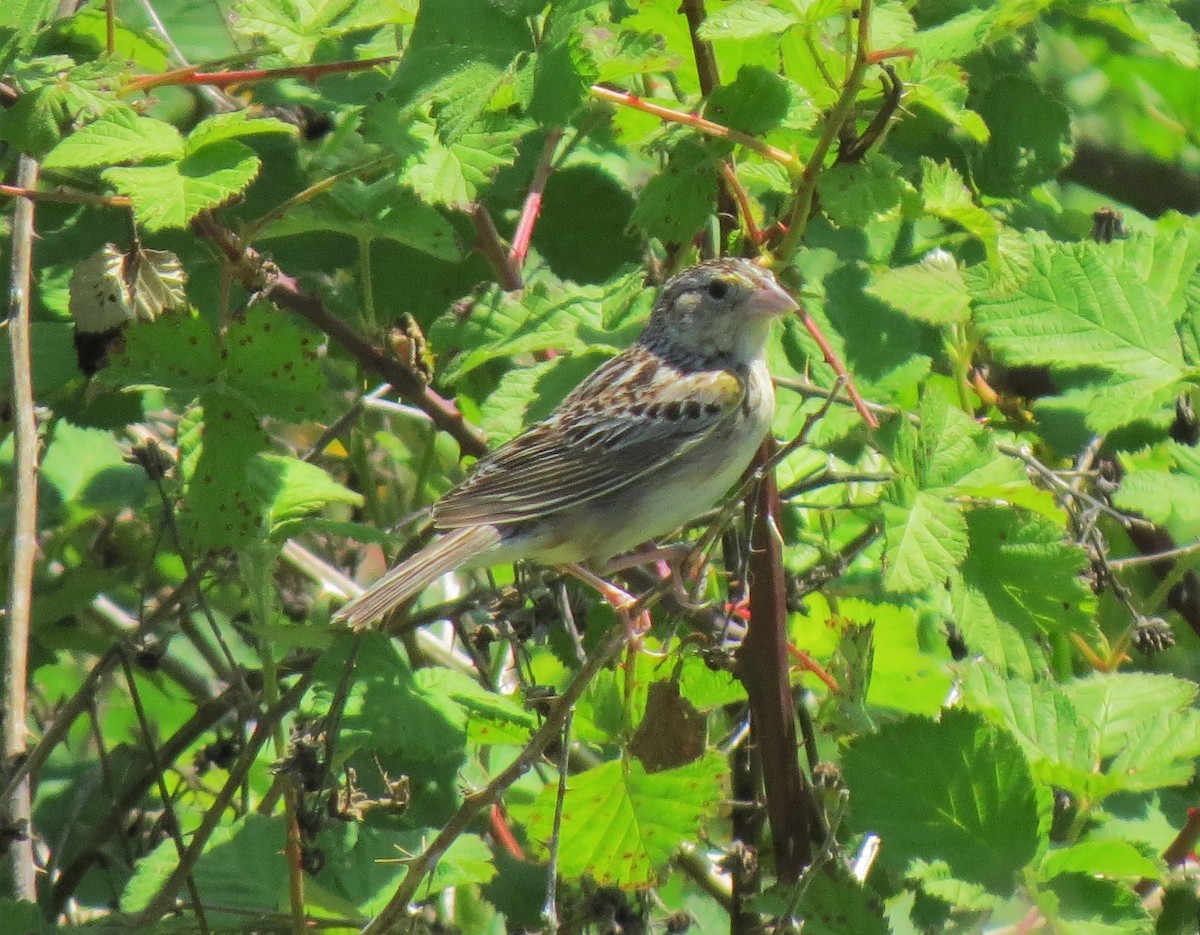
column 719, row 308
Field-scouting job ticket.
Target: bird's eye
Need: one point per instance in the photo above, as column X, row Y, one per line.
column 718, row 288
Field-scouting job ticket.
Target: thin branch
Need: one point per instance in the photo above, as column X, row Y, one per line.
column 67, row 196
column 696, row 122
column 16, row 805
column 490, row 244
column 255, row 275
column 533, row 201
column 190, row 75
column 165, row 897
column 475, row 804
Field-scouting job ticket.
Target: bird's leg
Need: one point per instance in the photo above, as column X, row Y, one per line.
column 621, row 601
column 674, row 561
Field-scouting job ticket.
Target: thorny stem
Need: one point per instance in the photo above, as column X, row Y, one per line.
column 189, row 75
column 67, row 196
column 696, row 122
column 17, row 803
column 533, row 202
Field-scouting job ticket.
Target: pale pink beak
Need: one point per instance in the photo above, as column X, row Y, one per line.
column 770, row 301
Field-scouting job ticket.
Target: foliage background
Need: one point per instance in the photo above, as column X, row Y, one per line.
column 975, row 577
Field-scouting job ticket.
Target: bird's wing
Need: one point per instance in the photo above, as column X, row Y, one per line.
column 605, row 435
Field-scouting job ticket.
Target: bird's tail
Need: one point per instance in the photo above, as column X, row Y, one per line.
column 415, row 574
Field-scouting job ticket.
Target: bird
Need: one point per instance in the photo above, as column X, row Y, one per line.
column 653, row 438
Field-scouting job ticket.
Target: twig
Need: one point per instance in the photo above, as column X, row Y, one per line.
column 16, row 804
column 285, row 291
column 67, row 196
column 533, row 202
column 696, row 122
column 478, row 802
column 165, row 896
column 487, row 240
column 189, row 75
column 1119, row 563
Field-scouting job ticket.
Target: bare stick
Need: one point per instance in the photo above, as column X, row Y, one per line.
column 24, row 549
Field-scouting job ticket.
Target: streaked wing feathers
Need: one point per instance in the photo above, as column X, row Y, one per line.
column 605, row 435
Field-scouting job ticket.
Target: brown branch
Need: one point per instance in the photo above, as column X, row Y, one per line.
column 165, row 897
column 68, row 196
column 253, row 273
column 490, row 244
column 706, row 62
column 474, row 805
column 223, row 79
column 16, row 806
column 762, row 666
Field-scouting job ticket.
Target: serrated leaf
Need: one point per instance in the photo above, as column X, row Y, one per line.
column 87, row 468
column 1118, row 703
column 946, row 196
column 982, row 816
column 176, row 351
column 388, row 709
column 933, row 290
column 1080, row 307
column 925, row 540
column 677, row 202
column 1060, row 745
column 452, row 175
column 293, row 26
column 243, row 861
column 236, row 125
column 854, row 194
column 744, row 19
column 171, row 195
column 121, row 135
column 1030, row 137
column 1031, row 577
column 290, row 489
column 274, row 366
column 620, row 824
column 220, row 508
column 1163, row 485
column 755, row 102
column 957, row 37
column 935, row 880
column 1118, row 860
column 1160, row 752
column 1010, row 650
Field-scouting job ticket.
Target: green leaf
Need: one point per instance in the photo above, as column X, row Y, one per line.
column 274, row 366
column 957, row 37
column 1030, row 139
column 1120, row 703
column 1118, row 860
column 388, row 710
column 87, row 467
column 242, row 867
column 454, row 175
column 291, row 489
column 220, row 509
column 854, row 194
column 1030, row 576
column 924, row 542
column 1163, row 484
column 744, row 19
column 620, row 824
column 834, row 903
column 1060, row 745
column 1079, row 306
column 755, row 102
column 121, row 135
column 982, row 816
column 175, row 351
column 677, row 202
column 946, row 196
column 171, row 195
column 237, row 125
column 933, row 290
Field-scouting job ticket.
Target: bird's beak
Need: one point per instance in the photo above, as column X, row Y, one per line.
column 771, row 301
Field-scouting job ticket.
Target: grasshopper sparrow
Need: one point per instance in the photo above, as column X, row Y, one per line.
column 650, row 440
